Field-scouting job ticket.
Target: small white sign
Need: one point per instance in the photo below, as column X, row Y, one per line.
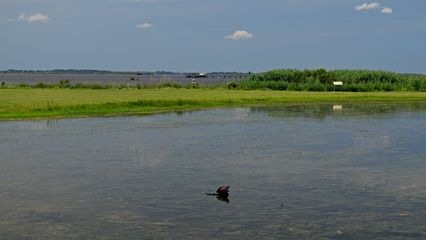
column 337, row 83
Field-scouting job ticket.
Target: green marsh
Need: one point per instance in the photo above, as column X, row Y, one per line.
column 64, row 103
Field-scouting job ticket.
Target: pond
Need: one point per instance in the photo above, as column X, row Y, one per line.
column 348, row 171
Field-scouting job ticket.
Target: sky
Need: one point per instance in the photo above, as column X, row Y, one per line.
column 213, row 35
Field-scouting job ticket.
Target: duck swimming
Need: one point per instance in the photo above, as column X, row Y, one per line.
column 221, row 192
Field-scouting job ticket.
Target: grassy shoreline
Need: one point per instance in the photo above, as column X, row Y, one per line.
column 21, row 104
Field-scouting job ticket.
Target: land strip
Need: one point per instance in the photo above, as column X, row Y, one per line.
column 17, row 104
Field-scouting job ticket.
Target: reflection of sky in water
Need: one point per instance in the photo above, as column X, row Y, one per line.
column 355, row 173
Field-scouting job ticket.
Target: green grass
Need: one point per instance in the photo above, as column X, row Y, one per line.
column 24, row 103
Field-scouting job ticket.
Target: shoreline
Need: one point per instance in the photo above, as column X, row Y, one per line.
column 38, row 104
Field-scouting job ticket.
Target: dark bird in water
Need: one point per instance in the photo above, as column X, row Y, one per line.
column 221, row 192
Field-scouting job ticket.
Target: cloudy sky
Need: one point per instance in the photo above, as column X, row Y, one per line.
column 213, row 35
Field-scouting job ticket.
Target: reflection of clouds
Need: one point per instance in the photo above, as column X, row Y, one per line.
column 145, row 156
column 401, row 182
column 241, row 113
column 372, row 141
column 152, row 167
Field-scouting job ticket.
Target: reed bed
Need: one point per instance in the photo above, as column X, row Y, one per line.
column 322, row 80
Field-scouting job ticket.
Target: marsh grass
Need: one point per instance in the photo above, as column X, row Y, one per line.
column 63, row 102
column 318, row 80
column 322, row 80
column 99, row 85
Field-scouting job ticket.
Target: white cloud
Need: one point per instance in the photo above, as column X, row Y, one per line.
column 38, row 17
column 239, row 35
column 367, row 6
column 145, row 25
column 387, row 10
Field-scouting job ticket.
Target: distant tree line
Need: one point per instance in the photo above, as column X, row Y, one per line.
column 322, row 80
column 89, row 71
column 61, row 71
column 86, row 71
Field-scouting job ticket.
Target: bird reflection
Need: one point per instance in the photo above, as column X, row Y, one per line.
column 223, row 199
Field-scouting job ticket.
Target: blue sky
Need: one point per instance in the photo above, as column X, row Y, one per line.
column 213, row 35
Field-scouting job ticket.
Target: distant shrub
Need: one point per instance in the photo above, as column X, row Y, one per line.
column 91, row 86
column 232, row 85
column 23, row 85
column 42, row 85
column 64, row 84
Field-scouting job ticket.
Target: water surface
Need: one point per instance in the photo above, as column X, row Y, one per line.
column 296, row 172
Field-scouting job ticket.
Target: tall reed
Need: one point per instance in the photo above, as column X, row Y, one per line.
column 322, row 80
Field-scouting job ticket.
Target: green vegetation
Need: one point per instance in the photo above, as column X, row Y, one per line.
column 319, row 80
column 66, row 99
column 322, row 80
column 30, row 103
column 98, row 85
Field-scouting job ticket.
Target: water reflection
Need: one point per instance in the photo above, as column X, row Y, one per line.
column 321, row 111
column 223, row 199
column 337, row 107
column 38, row 125
column 297, row 172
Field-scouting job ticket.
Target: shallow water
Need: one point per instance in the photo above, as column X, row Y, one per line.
column 296, row 172
column 113, row 78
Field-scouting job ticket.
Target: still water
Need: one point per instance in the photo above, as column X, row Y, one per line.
column 296, row 172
